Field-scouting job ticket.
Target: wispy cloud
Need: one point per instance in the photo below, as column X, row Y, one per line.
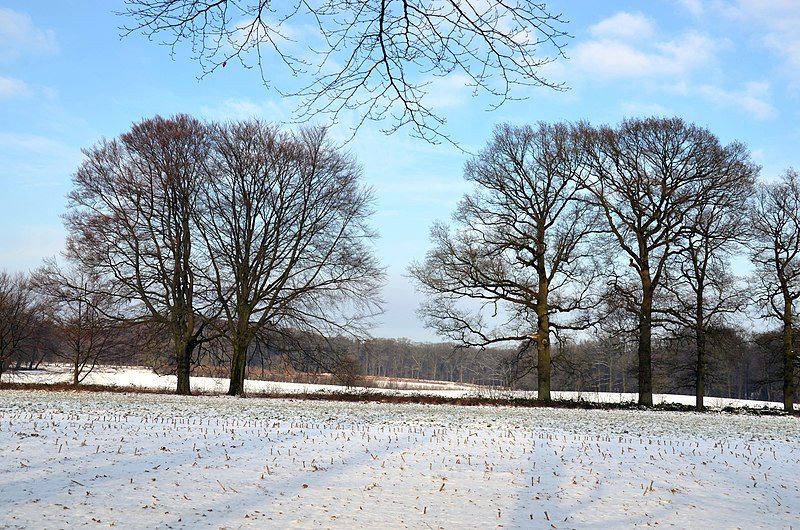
column 11, row 88
column 32, row 160
column 752, row 99
column 30, row 143
column 633, row 108
column 627, row 45
column 233, row 109
column 696, row 8
column 448, row 92
column 624, row 26
column 773, row 24
column 683, row 62
column 777, row 22
column 20, row 37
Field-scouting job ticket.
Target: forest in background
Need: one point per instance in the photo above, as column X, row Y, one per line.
column 742, row 364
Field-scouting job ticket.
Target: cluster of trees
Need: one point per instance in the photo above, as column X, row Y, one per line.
column 46, row 316
column 203, row 231
column 195, row 234
column 629, row 229
column 309, row 358
column 741, row 364
column 19, row 322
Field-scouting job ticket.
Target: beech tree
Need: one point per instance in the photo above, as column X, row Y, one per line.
column 130, row 218
column 285, row 229
column 378, row 58
column 649, row 177
column 774, row 245
column 520, row 247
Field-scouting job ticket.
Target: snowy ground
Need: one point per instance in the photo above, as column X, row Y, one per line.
column 159, row 461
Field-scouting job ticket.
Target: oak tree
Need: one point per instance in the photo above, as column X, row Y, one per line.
column 520, row 247
column 650, row 177
column 701, row 285
column 774, row 245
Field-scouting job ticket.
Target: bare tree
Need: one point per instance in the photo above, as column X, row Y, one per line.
column 84, row 314
column 650, row 177
column 130, row 218
column 286, row 233
column 19, row 320
column 380, row 58
column 521, row 247
column 775, row 251
column 703, row 287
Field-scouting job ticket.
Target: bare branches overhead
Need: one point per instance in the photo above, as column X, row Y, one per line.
column 377, row 58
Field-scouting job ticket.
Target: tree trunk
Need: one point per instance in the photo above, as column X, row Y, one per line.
column 700, row 383
column 543, row 358
column 788, row 360
column 242, row 336
column 76, row 369
column 183, row 350
column 543, row 367
column 645, row 350
column 238, row 364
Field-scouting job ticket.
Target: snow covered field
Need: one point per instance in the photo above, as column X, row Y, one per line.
column 158, row 461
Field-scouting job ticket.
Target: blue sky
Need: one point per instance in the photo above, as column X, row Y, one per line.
column 67, row 79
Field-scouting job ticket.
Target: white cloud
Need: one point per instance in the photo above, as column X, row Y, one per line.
column 19, row 36
column 774, row 23
column 625, row 26
column 11, row 88
column 751, row 99
column 630, row 48
column 695, row 7
column 233, row 109
column 689, row 51
column 617, row 58
column 448, row 92
column 644, row 109
column 782, row 30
